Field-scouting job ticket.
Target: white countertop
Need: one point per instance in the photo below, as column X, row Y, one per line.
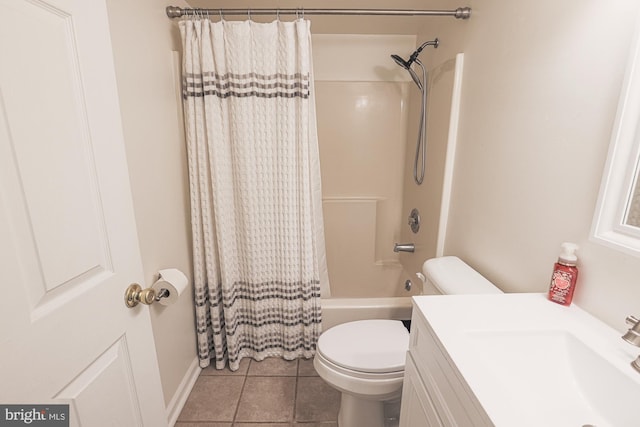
column 532, row 362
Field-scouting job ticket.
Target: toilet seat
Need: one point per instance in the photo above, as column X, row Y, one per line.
column 358, row 375
column 366, row 348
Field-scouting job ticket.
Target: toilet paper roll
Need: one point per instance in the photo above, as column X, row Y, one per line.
column 174, row 281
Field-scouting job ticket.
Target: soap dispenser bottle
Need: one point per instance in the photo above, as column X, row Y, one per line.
column 565, row 274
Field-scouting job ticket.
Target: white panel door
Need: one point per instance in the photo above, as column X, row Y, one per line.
column 68, row 243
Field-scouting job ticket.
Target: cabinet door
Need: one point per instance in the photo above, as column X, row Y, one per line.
column 417, row 408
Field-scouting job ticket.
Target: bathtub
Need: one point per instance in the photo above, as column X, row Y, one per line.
column 341, row 310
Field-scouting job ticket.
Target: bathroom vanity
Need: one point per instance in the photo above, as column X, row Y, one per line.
column 515, row 360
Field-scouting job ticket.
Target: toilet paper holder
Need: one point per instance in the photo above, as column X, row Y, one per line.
column 135, row 295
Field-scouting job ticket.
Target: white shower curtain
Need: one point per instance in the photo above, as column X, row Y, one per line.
column 255, row 189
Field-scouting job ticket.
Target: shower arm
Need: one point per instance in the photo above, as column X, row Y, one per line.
column 414, row 56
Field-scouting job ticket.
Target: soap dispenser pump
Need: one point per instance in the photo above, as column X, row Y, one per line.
column 565, row 274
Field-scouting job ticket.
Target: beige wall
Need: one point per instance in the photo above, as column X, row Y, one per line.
column 540, row 89
column 143, row 40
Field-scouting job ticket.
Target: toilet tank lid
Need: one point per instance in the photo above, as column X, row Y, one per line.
column 452, row 276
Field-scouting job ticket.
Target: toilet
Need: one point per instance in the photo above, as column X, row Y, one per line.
column 364, row 359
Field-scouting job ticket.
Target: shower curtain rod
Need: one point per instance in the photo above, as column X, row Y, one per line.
column 459, row 13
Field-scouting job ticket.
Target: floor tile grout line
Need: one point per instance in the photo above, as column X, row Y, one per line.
column 244, row 382
column 295, row 393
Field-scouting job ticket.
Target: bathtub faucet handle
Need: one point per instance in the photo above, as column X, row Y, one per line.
column 414, row 220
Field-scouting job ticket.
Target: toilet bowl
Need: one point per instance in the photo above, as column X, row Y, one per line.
column 365, row 359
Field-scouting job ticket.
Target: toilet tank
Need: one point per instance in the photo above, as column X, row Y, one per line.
column 452, row 276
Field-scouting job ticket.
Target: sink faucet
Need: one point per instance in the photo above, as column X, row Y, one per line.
column 404, row 247
column 633, row 337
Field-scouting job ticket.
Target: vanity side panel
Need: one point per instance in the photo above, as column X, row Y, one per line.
column 454, row 400
column 417, row 407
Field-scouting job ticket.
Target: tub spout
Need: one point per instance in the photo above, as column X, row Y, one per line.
column 404, row 247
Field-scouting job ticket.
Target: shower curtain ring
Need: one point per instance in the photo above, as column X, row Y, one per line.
column 221, row 16
column 278, row 14
column 249, row 14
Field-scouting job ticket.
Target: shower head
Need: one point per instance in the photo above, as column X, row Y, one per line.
column 414, row 59
column 401, row 62
column 407, row 66
column 414, row 56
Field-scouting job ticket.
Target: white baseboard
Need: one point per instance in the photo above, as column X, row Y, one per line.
column 182, row 393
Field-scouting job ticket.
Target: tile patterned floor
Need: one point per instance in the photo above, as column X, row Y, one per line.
column 271, row 393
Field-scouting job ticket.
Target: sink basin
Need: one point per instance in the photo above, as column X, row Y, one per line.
column 562, row 379
column 531, row 362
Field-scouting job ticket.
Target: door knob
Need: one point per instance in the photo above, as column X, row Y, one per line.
column 135, row 295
